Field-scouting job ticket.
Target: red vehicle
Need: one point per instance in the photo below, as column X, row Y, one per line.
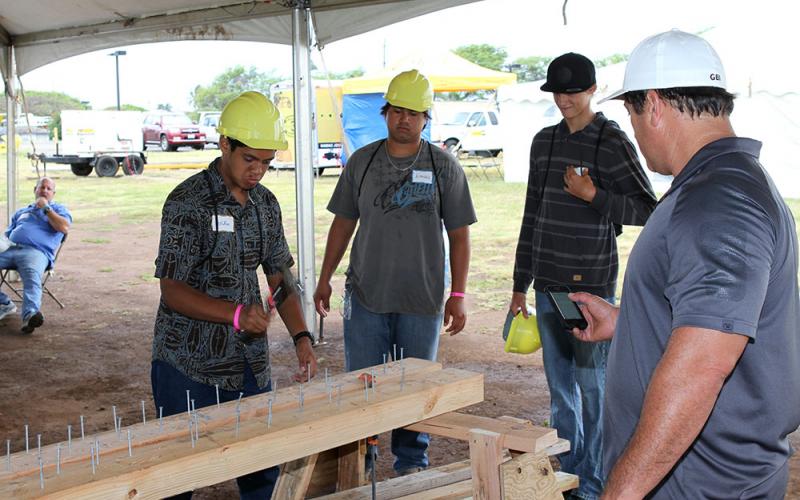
column 171, row 131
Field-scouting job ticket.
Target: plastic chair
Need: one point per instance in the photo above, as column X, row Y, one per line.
column 5, row 278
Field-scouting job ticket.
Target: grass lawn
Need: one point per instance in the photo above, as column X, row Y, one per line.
column 116, row 202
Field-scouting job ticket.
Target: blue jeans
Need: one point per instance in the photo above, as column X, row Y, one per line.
column 169, row 391
column 31, row 264
column 576, row 377
column 368, row 336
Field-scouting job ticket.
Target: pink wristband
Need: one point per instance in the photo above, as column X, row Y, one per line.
column 458, row 294
column 236, row 317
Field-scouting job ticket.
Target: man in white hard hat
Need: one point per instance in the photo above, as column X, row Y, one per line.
column 217, row 228
column 703, row 377
column 400, row 190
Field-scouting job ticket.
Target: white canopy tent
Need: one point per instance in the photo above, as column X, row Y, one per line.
column 766, row 108
column 35, row 33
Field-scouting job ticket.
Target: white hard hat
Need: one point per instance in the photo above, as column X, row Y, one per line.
column 672, row 59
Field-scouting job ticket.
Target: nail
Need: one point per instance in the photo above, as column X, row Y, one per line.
column 216, row 388
column 41, row 474
column 58, row 459
column 384, row 363
column 188, row 404
column 97, row 450
column 82, row 435
column 26, row 439
column 130, row 449
column 69, row 438
column 160, row 418
column 91, row 453
column 116, row 424
column 144, row 414
column 8, row 454
column 269, row 415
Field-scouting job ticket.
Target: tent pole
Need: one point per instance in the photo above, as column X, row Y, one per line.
column 10, row 72
column 304, row 176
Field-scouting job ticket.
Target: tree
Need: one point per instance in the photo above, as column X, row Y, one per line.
column 126, row 107
column 612, row 59
column 531, row 68
column 484, row 55
column 353, row 73
column 229, row 84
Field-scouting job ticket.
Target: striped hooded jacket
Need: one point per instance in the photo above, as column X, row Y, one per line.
column 563, row 239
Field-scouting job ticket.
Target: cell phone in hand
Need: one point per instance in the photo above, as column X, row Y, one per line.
column 568, row 311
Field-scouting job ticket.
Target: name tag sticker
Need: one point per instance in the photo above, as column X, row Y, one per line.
column 422, row 177
column 225, row 223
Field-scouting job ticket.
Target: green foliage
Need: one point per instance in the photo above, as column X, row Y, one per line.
column 229, row 84
column 531, row 68
column 164, row 107
column 353, row 73
column 126, row 107
column 484, row 55
column 612, row 59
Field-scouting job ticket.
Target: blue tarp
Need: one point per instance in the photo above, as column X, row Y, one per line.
column 362, row 121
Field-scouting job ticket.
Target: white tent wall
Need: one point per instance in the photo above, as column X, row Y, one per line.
column 770, row 116
column 42, row 31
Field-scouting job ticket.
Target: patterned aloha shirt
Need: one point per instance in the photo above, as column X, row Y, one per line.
column 222, row 264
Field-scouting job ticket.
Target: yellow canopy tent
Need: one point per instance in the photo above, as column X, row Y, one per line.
column 446, row 71
column 363, row 96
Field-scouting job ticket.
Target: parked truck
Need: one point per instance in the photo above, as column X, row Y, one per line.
column 103, row 141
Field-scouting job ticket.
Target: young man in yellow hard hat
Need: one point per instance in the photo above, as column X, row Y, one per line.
column 217, row 228
column 399, row 190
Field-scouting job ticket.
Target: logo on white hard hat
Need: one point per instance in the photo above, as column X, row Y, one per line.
column 672, row 59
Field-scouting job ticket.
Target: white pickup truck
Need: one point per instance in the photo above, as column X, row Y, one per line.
column 469, row 130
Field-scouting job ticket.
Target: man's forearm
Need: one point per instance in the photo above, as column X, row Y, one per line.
column 338, row 238
column 459, row 258
column 679, row 400
column 193, row 303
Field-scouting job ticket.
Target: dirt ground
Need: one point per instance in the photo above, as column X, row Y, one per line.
column 95, row 353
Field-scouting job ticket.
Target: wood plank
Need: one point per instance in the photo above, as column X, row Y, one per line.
column 294, row 479
column 514, row 435
column 455, row 491
column 163, row 467
column 212, row 417
column 529, row 476
column 351, row 465
column 403, row 486
column 486, row 454
column 323, row 480
column 567, row 481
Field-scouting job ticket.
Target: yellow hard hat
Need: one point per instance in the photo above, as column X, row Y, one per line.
column 253, row 120
column 410, row 90
column 523, row 334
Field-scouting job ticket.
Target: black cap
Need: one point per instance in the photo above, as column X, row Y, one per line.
column 569, row 74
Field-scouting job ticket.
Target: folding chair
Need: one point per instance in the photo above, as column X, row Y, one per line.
column 5, row 278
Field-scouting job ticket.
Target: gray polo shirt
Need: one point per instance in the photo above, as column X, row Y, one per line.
column 719, row 252
column 397, row 259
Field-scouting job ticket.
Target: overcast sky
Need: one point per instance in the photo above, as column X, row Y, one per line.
column 166, row 72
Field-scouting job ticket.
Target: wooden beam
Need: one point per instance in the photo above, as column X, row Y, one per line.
column 529, row 476
column 455, row 491
column 513, row 435
column 351, row 465
column 295, row 477
column 164, row 462
column 567, row 481
column 398, row 487
column 486, row 454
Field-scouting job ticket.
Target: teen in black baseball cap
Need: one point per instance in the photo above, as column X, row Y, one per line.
column 569, row 73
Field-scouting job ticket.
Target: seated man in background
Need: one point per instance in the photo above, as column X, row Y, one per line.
column 35, row 233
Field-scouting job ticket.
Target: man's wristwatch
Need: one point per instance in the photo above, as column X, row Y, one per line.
column 46, row 209
column 298, row 336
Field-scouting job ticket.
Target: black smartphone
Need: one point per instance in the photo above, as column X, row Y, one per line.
column 568, row 311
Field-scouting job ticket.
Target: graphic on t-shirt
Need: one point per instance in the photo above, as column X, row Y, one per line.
column 406, row 194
